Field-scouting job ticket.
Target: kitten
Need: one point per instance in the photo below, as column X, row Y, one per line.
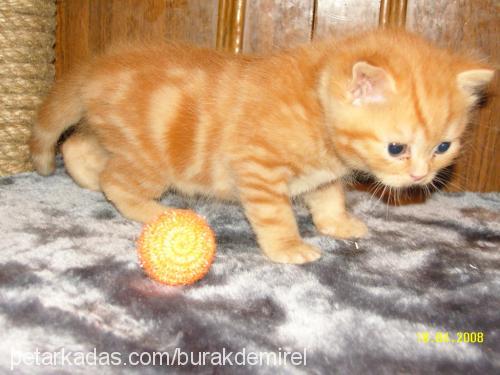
column 261, row 129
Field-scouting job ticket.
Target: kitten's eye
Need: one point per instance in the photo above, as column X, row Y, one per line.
column 396, row 149
column 442, row 147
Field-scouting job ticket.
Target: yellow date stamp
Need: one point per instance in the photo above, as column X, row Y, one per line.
column 467, row 337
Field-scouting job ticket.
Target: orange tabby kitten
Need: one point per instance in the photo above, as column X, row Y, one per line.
column 261, row 130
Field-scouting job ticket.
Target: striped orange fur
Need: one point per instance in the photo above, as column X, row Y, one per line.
column 260, row 129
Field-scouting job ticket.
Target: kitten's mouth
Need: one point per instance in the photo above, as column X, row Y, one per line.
column 393, row 182
column 404, row 191
column 398, row 182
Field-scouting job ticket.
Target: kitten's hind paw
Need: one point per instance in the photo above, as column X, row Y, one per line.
column 344, row 227
column 295, row 254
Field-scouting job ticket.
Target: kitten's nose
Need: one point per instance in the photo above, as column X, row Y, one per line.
column 417, row 178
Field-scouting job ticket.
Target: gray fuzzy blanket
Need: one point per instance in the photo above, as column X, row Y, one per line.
column 70, row 283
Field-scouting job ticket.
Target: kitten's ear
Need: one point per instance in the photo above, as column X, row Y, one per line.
column 473, row 82
column 370, row 84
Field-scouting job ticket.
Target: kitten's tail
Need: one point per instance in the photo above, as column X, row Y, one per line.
column 62, row 108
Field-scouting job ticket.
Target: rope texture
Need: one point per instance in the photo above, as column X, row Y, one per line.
column 27, row 37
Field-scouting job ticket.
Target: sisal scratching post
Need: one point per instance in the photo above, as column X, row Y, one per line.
column 27, row 36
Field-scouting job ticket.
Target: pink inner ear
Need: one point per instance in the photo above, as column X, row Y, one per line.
column 370, row 84
column 363, row 87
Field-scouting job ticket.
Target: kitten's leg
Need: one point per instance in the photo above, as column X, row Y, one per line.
column 84, row 159
column 270, row 213
column 327, row 207
column 133, row 190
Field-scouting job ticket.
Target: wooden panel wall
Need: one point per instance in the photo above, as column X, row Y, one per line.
column 334, row 17
column 87, row 26
column 275, row 24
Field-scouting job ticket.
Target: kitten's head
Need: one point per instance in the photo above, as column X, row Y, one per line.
column 398, row 106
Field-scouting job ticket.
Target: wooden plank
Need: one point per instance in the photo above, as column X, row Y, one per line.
column 193, row 21
column 340, row 16
column 86, row 27
column 275, row 24
column 71, row 33
column 466, row 25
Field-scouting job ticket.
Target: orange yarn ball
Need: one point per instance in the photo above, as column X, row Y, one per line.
column 177, row 248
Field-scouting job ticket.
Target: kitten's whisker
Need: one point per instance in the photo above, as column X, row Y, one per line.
column 387, row 203
column 425, row 189
column 447, row 179
column 381, row 196
column 382, row 193
column 446, row 183
column 434, row 186
column 377, row 187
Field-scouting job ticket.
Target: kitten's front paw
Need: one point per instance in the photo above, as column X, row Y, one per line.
column 296, row 254
column 346, row 226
